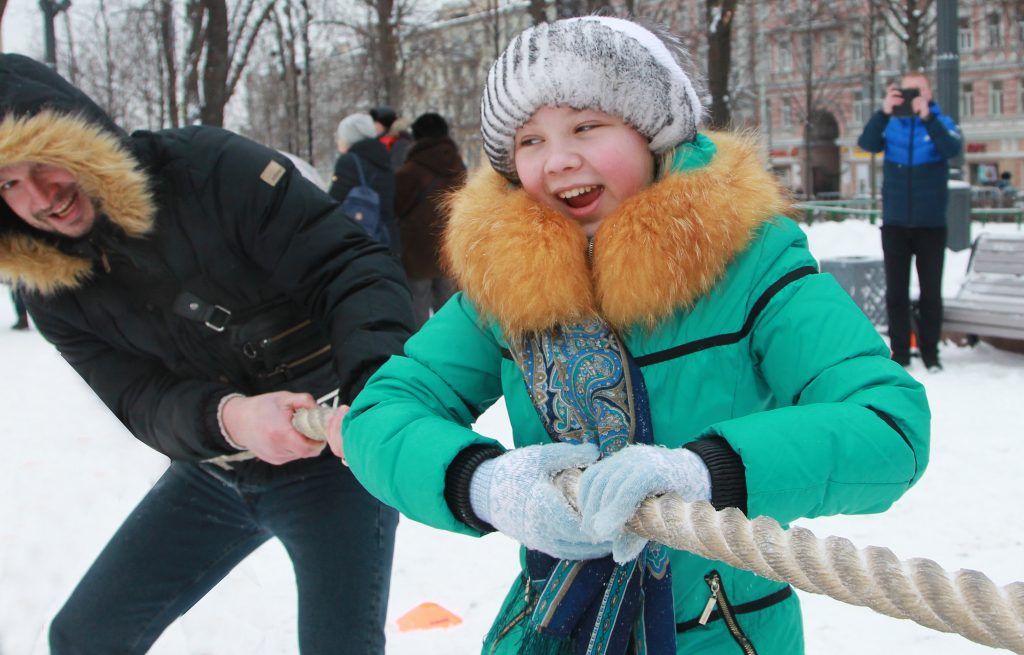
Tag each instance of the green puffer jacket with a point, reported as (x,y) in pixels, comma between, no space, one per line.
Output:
(737,336)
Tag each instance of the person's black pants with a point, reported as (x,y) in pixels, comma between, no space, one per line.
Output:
(928,246)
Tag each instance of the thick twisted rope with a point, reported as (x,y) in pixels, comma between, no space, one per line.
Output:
(964,602)
(313,422)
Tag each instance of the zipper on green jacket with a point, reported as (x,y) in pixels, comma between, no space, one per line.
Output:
(718,597)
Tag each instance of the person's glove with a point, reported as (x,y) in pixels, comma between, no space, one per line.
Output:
(611,490)
(515,493)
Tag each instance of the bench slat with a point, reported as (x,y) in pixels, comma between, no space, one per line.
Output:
(991,300)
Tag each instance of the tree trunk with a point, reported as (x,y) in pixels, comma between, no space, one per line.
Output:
(3,8)
(387,54)
(196,11)
(169,60)
(718,15)
(307,81)
(215,71)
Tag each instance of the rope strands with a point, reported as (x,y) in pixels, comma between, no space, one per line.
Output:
(965,602)
(313,422)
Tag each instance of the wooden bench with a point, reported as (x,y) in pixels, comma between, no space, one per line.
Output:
(991,301)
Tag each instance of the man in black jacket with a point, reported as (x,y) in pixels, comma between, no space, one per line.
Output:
(205,291)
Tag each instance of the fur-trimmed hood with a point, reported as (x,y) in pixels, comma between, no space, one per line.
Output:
(46,120)
(526,265)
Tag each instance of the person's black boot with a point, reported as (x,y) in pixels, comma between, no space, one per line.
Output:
(931,362)
(22,324)
(903,359)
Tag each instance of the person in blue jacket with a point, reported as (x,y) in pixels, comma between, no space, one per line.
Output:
(917,147)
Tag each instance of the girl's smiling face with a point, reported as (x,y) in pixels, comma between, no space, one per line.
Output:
(581,163)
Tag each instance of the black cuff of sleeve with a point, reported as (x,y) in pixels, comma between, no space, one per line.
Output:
(728,476)
(213,437)
(456,484)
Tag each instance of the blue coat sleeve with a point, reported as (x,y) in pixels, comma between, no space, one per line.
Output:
(872,139)
(945,135)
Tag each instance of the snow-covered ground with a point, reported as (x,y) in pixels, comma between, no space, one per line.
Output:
(71,474)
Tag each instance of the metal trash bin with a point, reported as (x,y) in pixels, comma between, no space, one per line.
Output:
(864,279)
(958,216)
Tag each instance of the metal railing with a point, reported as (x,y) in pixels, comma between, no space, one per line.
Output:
(838,210)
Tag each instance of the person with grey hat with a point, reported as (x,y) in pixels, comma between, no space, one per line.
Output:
(631,287)
(363,159)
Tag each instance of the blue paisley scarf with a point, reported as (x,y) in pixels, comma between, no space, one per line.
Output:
(587,388)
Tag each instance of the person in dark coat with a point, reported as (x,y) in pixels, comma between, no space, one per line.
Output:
(392,134)
(205,291)
(432,168)
(917,147)
(357,137)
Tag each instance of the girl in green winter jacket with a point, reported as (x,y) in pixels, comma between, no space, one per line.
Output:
(631,288)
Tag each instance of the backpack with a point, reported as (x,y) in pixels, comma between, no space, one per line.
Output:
(362,205)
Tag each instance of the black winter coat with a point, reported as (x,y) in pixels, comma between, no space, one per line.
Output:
(432,169)
(376,164)
(207,221)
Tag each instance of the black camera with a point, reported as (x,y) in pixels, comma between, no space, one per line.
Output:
(906,109)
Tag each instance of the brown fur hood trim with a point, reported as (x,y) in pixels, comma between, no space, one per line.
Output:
(106,172)
(526,266)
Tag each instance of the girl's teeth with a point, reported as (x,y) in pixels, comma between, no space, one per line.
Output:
(575,192)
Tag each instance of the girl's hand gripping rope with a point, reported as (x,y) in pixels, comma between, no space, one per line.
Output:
(515,492)
(611,490)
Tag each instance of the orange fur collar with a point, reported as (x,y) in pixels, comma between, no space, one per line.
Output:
(525,265)
(106,172)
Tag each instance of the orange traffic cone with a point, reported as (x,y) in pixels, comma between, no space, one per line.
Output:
(427,616)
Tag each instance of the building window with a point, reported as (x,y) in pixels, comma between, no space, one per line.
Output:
(966,35)
(856,49)
(995,99)
(830,43)
(785,113)
(966,100)
(862,108)
(785,55)
(1020,96)
(995,30)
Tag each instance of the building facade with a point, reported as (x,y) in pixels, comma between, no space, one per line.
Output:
(823,57)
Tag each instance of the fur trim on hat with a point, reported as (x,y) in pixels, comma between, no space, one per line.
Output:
(594,62)
(106,172)
(525,265)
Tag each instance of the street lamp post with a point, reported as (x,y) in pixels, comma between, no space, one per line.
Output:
(948,71)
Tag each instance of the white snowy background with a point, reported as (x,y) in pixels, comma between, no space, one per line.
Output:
(70,473)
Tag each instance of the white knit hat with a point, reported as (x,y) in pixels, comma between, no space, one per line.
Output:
(594,62)
(356,127)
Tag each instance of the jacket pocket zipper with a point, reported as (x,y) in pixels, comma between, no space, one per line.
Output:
(281,368)
(250,351)
(281,335)
(718,597)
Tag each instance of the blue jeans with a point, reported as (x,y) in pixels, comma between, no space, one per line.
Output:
(199,521)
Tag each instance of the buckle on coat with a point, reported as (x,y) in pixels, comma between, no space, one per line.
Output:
(217,318)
